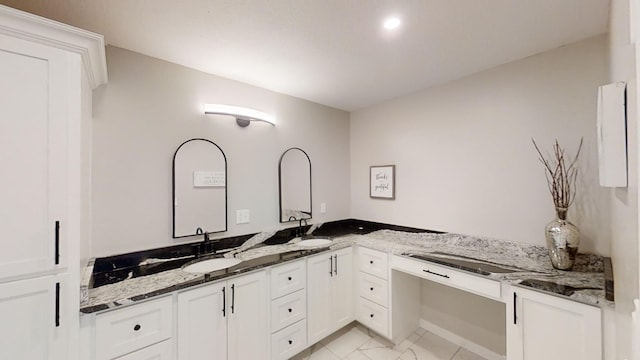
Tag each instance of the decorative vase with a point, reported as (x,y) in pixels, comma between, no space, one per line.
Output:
(563,239)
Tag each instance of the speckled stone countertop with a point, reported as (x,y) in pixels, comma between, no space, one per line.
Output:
(530,263)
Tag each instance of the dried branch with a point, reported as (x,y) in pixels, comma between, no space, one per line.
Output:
(561,178)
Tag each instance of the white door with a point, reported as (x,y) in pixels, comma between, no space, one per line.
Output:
(319,308)
(202,323)
(342,288)
(29,314)
(33,158)
(551,328)
(247,325)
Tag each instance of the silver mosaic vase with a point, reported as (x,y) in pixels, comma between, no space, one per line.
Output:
(563,239)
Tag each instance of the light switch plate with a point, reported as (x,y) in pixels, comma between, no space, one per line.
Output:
(242,216)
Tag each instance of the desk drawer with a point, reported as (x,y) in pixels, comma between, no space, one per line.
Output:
(288,309)
(373,262)
(476,284)
(374,289)
(288,278)
(122,331)
(373,316)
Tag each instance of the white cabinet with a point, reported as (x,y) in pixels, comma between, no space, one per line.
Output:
(288,310)
(330,293)
(48,70)
(373,290)
(541,326)
(215,321)
(161,351)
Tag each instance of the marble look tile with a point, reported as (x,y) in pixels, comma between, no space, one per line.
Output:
(356,355)
(346,340)
(379,349)
(464,354)
(316,352)
(430,347)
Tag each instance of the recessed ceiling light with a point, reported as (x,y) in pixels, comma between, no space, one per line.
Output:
(391,23)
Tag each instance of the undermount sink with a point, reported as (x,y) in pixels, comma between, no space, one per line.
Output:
(313,242)
(206,266)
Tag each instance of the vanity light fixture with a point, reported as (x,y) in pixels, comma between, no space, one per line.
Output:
(244,116)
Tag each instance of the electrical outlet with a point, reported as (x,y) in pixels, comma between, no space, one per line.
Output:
(323,208)
(242,216)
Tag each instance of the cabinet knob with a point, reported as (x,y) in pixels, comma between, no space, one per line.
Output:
(289,278)
(290,310)
(371,289)
(371,262)
(371,315)
(137,327)
(290,342)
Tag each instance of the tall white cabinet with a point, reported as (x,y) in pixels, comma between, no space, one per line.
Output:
(47,72)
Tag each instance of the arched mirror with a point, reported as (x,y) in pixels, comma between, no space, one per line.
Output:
(294,173)
(199,188)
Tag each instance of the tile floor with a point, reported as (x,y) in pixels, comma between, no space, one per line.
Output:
(355,342)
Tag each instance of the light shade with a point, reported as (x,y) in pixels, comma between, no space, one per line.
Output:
(243,115)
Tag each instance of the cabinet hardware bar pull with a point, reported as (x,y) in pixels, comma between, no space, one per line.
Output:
(515,304)
(233,298)
(336,267)
(331,266)
(57,250)
(224,302)
(57,304)
(435,273)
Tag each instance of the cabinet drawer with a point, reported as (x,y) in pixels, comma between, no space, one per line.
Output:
(288,278)
(373,262)
(374,289)
(476,284)
(373,316)
(161,351)
(122,331)
(288,309)
(289,341)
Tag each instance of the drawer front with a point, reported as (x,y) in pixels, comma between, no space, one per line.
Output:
(289,341)
(122,331)
(476,284)
(288,310)
(374,289)
(161,351)
(288,278)
(373,262)
(373,316)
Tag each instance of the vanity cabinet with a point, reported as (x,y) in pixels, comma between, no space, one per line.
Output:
(330,293)
(288,309)
(372,298)
(542,326)
(224,320)
(47,71)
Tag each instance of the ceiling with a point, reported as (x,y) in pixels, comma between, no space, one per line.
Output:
(334,52)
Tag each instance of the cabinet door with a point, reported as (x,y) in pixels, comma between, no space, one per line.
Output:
(28,313)
(248,310)
(33,144)
(542,326)
(319,308)
(202,323)
(342,294)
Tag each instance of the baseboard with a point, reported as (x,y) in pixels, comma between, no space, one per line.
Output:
(457,339)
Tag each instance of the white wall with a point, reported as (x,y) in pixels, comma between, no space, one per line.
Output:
(149,107)
(624,201)
(463,153)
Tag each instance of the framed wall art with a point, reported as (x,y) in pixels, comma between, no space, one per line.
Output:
(382,182)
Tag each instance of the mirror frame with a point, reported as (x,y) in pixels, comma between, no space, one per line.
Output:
(280,185)
(173,190)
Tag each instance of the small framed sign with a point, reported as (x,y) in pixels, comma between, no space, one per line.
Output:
(382,182)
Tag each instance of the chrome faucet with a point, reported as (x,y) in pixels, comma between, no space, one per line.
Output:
(300,229)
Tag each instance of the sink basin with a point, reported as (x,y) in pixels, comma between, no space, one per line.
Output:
(313,242)
(210,265)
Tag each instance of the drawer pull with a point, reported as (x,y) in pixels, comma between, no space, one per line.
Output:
(371,289)
(371,315)
(435,273)
(371,262)
(290,310)
(289,278)
(137,327)
(290,342)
